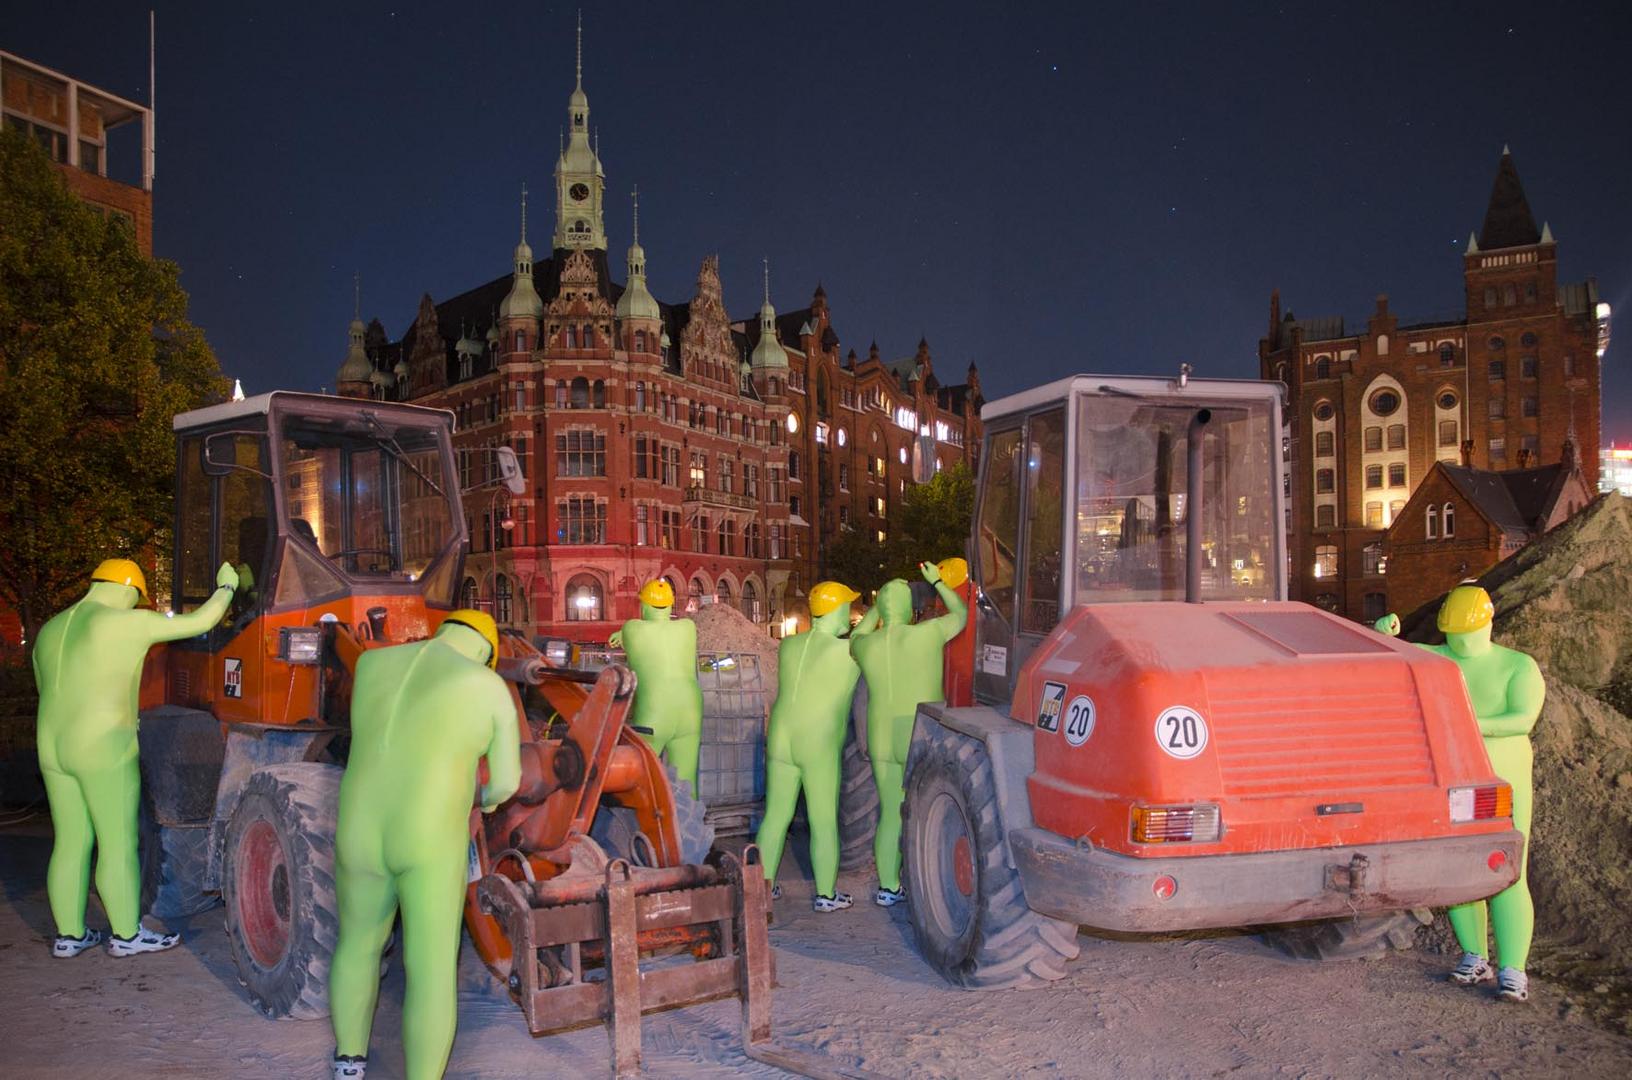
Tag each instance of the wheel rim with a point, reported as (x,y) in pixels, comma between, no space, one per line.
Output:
(950,847)
(264,902)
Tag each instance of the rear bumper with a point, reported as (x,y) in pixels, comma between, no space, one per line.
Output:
(1103,889)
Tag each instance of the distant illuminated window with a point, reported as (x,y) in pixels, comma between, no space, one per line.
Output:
(1326,561)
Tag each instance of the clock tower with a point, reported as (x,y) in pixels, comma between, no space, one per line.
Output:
(579,181)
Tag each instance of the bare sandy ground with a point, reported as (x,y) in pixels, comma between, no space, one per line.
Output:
(851,986)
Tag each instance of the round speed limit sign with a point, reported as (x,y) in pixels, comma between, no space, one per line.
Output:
(1181,732)
(1079,720)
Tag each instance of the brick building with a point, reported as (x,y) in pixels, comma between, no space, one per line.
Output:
(1460,521)
(1370,411)
(657,439)
(73,122)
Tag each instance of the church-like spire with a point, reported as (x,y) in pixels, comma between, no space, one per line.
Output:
(637,302)
(768,352)
(579,179)
(523,300)
(357,367)
(1508,220)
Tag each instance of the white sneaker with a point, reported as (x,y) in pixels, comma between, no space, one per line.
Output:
(1513,985)
(837,902)
(889,897)
(1473,970)
(144,941)
(64,947)
(350,1068)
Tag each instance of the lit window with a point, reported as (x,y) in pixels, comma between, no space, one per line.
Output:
(1374,515)
(1432,529)
(1371,557)
(1326,561)
(793,423)
(902,454)
(843,437)
(821,433)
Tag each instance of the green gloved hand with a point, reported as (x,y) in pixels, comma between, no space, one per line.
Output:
(1389,624)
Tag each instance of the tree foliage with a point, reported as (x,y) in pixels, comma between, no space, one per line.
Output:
(96,357)
(931,522)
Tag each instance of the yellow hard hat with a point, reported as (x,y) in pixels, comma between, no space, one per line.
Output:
(122,572)
(953,571)
(1467,609)
(483,624)
(830,596)
(657,593)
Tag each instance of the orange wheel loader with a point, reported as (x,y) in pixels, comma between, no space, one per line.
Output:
(1145,735)
(344,520)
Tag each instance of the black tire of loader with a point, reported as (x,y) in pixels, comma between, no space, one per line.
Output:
(615,827)
(1002,944)
(173,861)
(1364,937)
(858,805)
(299,801)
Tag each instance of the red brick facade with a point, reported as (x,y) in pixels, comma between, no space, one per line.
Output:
(656,439)
(1370,412)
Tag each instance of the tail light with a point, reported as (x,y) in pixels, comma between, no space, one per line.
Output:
(1481,803)
(1175,824)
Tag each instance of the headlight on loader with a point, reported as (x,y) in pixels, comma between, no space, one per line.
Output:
(1197,824)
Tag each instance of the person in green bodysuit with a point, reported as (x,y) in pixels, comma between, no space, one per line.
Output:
(88,668)
(805,743)
(422,715)
(668,702)
(1506,689)
(902,665)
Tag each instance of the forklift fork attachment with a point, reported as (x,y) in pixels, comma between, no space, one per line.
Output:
(718,910)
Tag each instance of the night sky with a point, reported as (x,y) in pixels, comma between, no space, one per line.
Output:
(1040,190)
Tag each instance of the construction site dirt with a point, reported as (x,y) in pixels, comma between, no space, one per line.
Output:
(851,987)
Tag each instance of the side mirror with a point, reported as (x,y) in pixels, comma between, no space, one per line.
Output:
(510,471)
(220,453)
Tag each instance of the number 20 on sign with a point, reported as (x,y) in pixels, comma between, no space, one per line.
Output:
(1181,732)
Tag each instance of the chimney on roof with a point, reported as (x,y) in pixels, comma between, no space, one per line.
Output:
(1568,454)
(1382,304)
(1467,453)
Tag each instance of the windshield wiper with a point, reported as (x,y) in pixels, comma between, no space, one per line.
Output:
(390,443)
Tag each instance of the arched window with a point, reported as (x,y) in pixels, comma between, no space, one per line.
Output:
(696,591)
(1382,344)
(584,599)
(722,591)
(750,601)
(467,593)
(502,598)
(1431,530)
(1323,368)
(726,536)
(1448,520)
(640,341)
(600,394)
(521,341)
(793,465)
(589,337)
(572,337)
(580,393)
(776,386)
(1447,355)
(1324,444)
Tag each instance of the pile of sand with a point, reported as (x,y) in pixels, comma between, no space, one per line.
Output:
(722,628)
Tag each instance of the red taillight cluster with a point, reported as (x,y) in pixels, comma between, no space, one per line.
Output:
(1175,824)
(1482,803)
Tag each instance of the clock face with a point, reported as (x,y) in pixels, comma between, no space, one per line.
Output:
(579,192)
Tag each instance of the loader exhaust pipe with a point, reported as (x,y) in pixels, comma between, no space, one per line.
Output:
(1192,506)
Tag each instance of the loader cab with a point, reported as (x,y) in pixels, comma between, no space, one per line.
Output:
(328,508)
(1083,493)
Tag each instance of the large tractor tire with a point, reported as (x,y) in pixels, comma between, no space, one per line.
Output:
(1364,937)
(174,860)
(615,828)
(278,884)
(968,910)
(858,805)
